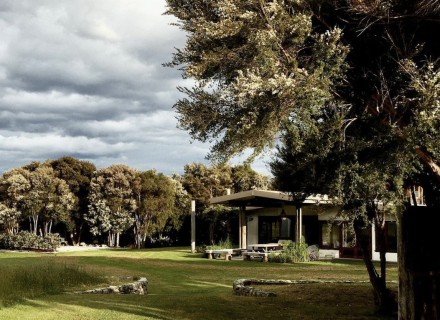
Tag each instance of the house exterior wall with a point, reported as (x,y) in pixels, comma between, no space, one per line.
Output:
(324,214)
(252,221)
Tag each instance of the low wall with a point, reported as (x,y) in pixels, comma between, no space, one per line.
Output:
(242,287)
(137,287)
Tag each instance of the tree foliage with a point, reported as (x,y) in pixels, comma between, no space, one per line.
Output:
(36,193)
(161,201)
(77,174)
(265,68)
(112,201)
(349,88)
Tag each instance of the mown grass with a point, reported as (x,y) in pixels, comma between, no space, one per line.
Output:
(185,286)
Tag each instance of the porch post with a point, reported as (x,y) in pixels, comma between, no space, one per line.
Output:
(193,226)
(298,223)
(243,227)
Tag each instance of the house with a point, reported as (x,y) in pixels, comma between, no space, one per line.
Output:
(271,216)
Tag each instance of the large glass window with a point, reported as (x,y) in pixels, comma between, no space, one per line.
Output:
(347,236)
(335,236)
(329,235)
(286,228)
(273,228)
(392,236)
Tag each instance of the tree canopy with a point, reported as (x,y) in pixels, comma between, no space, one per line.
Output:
(267,68)
(349,91)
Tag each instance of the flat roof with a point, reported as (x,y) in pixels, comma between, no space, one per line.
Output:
(265,198)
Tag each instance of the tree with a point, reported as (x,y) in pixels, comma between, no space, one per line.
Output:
(365,178)
(270,69)
(112,201)
(48,199)
(33,191)
(203,183)
(160,203)
(9,219)
(14,184)
(77,175)
(244,178)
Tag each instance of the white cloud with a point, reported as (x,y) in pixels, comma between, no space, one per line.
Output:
(85,78)
(42,143)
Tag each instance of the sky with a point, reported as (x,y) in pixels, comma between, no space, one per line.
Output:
(85,79)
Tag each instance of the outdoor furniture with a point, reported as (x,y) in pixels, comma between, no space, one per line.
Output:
(265,247)
(247,256)
(227,252)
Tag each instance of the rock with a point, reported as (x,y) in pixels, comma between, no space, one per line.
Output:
(138,287)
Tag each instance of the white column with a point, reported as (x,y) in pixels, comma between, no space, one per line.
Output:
(298,224)
(243,227)
(193,226)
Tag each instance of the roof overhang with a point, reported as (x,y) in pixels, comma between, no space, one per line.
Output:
(264,199)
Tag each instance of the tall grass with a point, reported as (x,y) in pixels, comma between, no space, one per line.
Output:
(222,244)
(47,276)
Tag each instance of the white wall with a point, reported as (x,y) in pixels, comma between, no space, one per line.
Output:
(325,252)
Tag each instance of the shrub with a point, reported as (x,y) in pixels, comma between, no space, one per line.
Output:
(226,244)
(27,240)
(313,252)
(292,252)
(273,257)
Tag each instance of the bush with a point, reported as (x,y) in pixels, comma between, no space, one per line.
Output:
(313,252)
(292,252)
(27,240)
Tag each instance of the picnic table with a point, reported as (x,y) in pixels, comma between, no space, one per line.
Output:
(261,250)
(265,247)
(227,252)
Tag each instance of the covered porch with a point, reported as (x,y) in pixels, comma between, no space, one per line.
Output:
(268,217)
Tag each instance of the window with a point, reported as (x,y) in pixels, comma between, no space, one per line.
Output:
(329,236)
(390,237)
(347,237)
(286,228)
(273,228)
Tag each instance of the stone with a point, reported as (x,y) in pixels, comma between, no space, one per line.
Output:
(138,287)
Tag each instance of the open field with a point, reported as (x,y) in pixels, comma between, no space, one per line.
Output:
(184,286)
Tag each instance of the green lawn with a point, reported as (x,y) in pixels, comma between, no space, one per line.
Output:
(185,286)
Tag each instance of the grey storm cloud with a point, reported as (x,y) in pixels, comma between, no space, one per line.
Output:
(85,78)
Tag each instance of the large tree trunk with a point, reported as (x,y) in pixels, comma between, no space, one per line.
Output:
(406,285)
(72,236)
(78,240)
(34,225)
(50,227)
(419,264)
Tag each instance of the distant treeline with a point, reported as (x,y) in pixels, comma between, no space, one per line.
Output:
(119,204)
